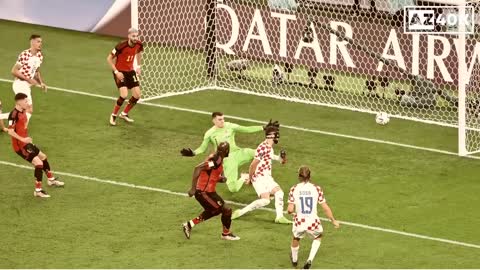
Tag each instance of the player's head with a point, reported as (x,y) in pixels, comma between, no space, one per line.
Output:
(223,149)
(272,133)
(303,173)
(218,119)
(36,42)
(21,100)
(133,35)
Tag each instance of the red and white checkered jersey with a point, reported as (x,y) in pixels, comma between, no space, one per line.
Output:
(306,196)
(29,63)
(264,153)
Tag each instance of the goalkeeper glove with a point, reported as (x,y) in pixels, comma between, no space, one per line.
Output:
(283,156)
(187,152)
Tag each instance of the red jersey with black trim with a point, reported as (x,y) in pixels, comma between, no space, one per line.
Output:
(126,54)
(17,120)
(210,176)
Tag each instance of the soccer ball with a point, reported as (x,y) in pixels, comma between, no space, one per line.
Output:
(382,118)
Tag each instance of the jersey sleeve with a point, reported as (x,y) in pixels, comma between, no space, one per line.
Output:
(321,198)
(243,129)
(22,59)
(203,147)
(291,196)
(12,119)
(260,152)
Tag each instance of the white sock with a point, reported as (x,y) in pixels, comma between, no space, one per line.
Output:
(29,115)
(313,251)
(254,205)
(279,203)
(295,253)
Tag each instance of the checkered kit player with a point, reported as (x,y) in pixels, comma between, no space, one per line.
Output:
(204,182)
(126,77)
(260,175)
(303,199)
(27,71)
(23,146)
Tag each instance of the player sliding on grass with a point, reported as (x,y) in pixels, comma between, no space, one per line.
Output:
(23,146)
(125,75)
(205,178)
(225,132)
(260,176)
(302,200)
(27,71)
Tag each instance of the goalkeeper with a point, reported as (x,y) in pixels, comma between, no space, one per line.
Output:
(225,132)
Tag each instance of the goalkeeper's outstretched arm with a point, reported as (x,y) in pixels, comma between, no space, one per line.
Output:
(249,129)
(188,152)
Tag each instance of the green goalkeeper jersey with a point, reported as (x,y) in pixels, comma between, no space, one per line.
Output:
(226,134)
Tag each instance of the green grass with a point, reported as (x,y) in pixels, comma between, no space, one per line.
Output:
(97,225)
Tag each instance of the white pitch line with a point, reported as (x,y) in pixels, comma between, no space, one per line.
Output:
(263,122)
(123,184)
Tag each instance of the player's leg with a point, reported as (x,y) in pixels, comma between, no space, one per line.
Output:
(262,201)
(242,157)
(123,93)
(51,179)
(277,192)
(132,83)
(211,209)
(294,248)
(313,250)
(230,169)
(38,174)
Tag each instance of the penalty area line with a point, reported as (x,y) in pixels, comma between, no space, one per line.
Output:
(316,131)
(166,191)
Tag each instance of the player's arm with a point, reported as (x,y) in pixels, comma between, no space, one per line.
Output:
(111,60)
(253,168)
(291,201)
(16,72)
(196,173)
(2,126)
(38,77)
(138,57)
(282,158)
(188,152)
(291,208)
(329,214)
(249,129)
(12,133)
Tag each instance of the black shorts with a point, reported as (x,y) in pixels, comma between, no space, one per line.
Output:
(210,201)
(29,152)
(130,79)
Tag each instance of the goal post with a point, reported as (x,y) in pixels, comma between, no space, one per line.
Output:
(359,55)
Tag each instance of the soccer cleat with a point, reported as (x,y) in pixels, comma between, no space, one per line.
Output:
(294,264)
(41,194)
(283,220)
(186,230)
(235,214)
(230,236)
(113,119)
(55,183)
(307,265)
(126,118)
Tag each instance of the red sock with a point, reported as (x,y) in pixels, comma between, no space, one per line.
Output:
(194,222)
(38,185)
(49,175)
(130,105)
(225,230)
(118,105)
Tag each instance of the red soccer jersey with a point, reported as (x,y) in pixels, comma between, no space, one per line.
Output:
(17,121)
(126,54)
(208,179)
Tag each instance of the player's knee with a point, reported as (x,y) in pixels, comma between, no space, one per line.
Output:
(133,100)
(263,202)
(121,99)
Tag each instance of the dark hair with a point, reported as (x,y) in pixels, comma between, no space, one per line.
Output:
(34,36)
(20,96)
(215,114)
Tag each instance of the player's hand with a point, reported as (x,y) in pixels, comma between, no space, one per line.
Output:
(138,70)
(27,140)
(120,76)
(191,192)
(336,224)
(283,156)
(44,87)
(187,152)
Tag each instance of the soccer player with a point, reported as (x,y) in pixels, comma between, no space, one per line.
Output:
(260,176)
(205,178)
(302,200)
(121,61)
(23,146)
(27,71)
(225,132)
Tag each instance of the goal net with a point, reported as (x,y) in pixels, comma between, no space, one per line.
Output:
(363,55)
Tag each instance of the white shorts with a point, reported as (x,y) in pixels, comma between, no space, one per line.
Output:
(20,86)
(311,227)
(264,184)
